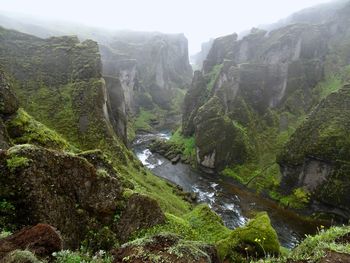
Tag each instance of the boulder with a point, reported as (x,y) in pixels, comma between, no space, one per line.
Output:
(42,240)
(256,239)
(61,189)
(141,212)
(166,248)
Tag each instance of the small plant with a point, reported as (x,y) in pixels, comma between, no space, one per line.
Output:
(102,173)
(67,256)
(16,162)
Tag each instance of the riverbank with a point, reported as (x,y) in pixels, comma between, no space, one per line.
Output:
(232,202)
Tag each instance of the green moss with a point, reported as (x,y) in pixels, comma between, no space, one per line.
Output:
(213,75)
(157,188)
(298,199)
(15,162)
(201,224)
(329,85)
(143,119)
(67,256)
(207,224)
(21,256)
(187,144)
(103,239)
(315,247)
(25,129)
(257,238)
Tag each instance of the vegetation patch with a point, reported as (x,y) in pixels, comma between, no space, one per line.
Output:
(186,144)
(15,162)
(25,129)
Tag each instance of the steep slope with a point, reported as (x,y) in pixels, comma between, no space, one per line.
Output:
(59,82)
(152,63)
(153,68)
(263,85)
(316,158)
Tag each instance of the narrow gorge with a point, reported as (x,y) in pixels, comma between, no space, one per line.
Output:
(123,146)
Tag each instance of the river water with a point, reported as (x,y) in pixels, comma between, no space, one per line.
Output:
(231,201)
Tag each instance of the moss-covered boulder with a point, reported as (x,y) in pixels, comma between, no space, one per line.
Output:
(141,212)
(42,240)
(23,128)
(256,239)
(219,140)
(316,158)
(167,248)
(61,189)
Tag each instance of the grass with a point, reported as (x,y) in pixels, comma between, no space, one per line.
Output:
(200,224)
(143,119)
(16,162)
(186,143)
(314,248)
(331,84)
(25,129)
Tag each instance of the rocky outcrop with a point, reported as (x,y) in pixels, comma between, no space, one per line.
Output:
(154,64)
(166,248)
(117,107)
(317,155)
(230,144)
(258,81)
(8,101)
(8,106)
(60,189)
(195,97)
(198,58)
(42,240)
(73,97)
(141,212)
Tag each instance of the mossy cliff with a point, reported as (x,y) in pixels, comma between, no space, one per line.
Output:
(58,81)
(148,64)
(95,198)
(316,158)
(253,93)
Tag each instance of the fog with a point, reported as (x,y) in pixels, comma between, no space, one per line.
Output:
(199,20)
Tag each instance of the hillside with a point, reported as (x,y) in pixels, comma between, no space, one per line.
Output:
(252,94)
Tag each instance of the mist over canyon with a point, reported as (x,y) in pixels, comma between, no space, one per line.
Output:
(126,145)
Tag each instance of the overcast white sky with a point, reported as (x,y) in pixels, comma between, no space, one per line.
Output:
(198,19)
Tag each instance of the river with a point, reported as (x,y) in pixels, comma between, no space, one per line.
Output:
(231,201)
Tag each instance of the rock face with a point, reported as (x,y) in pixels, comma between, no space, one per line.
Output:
(166,248)
(151,64)
(317,155)
(72,91)
(61,189)
(8,106)
(223,141)
(141,212)
(116,106)
(42,240)
(259,82)
(198,58)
